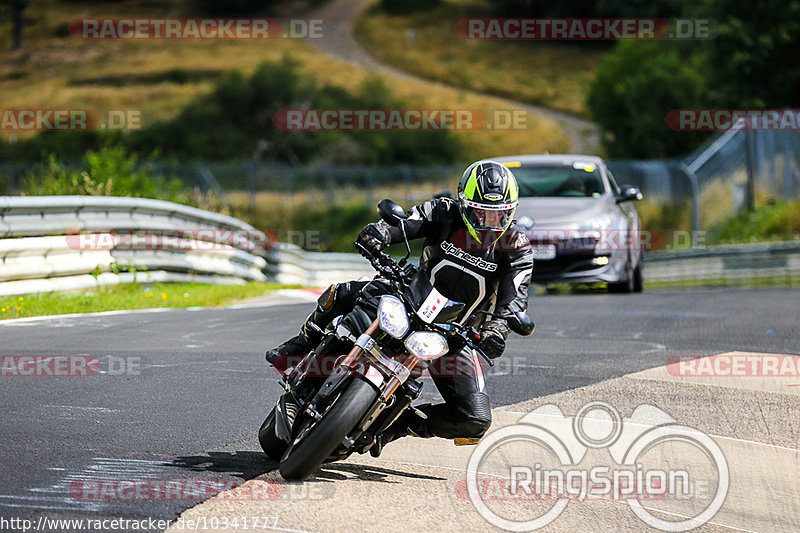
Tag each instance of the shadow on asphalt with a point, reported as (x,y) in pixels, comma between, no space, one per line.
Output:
(242,464)
(338,471)
(248,465)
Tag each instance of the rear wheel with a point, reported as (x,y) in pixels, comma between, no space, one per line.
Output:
(303,458)
(270,443)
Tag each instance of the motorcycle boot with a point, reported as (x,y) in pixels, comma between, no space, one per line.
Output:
(310,333)
(404,427)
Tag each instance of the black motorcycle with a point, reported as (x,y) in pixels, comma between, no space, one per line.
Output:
(388,339)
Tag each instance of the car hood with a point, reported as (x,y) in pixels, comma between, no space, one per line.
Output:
(562,211)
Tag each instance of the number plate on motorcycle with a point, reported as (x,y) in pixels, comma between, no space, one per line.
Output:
(431,306)
(544,251)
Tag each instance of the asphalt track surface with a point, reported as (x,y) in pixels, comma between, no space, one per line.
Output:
(188,407)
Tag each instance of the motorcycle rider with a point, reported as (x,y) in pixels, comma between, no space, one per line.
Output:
(473,254)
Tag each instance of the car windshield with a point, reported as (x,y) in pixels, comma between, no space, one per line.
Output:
(559,181)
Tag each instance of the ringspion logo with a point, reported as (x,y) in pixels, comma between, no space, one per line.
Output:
(548,460)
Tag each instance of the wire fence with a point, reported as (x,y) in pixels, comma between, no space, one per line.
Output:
(766,161)
(732,169)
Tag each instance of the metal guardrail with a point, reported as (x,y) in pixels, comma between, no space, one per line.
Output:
(41,246)
(733,262)
(730,262)
(291,265)
(38,251)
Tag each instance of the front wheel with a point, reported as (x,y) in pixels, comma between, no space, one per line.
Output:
(638,278)
(628,284)
(303,458)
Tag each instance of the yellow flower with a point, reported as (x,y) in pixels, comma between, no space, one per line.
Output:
(20,298)
(163,295)
(148,295)
(19,308)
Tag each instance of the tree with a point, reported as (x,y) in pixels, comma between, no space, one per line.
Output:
(636,86)
(753,57)
(16,11)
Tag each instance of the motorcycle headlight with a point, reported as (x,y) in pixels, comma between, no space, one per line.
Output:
(392,316)
(426,344)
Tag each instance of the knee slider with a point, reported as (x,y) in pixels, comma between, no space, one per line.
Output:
(327,298)
(475,415)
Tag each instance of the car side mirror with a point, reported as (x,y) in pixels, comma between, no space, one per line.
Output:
(521,324)
(391,212)
(629,193)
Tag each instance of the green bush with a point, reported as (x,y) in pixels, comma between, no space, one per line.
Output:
(397,7)
(231,7)
(237,118)
(778,221)
(235,122)
(111,171)
(640,81)
(588,8)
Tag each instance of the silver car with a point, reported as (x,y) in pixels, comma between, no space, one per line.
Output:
(582,226)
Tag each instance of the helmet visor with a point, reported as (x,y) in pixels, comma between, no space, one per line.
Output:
(489,217)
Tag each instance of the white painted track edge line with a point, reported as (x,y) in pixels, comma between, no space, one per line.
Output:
(13,321)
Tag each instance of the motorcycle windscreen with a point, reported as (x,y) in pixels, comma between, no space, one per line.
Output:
(429,303)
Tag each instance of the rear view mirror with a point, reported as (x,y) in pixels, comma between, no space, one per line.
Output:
(521,324)
(391,212)
(629,193)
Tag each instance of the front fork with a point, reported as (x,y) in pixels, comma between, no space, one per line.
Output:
(386,374)
(397,372)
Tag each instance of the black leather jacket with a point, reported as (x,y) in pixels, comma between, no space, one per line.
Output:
(483,276)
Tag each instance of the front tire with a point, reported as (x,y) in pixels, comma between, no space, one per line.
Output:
(303,458)
(638,278)
(628,285)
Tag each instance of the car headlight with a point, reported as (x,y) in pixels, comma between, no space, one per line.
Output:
(426,344)
(392,316)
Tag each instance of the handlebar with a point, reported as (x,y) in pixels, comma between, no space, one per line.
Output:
(384,264)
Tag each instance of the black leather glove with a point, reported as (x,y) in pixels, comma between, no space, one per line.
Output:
(493,338)
(374,237)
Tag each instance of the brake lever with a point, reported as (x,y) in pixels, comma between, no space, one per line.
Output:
(471,334)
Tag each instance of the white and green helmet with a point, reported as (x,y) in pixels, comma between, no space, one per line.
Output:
(488,196)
